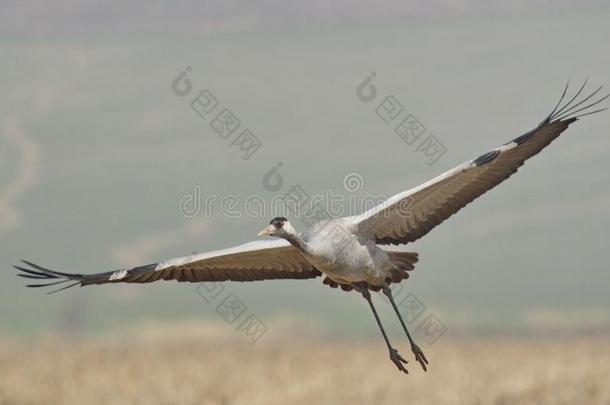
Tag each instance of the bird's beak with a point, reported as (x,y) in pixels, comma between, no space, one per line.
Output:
(268,231)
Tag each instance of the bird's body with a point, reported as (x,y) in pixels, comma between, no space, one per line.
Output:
(347,250)
(345,257)
(345,260)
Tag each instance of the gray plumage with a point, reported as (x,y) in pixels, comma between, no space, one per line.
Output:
(347,250)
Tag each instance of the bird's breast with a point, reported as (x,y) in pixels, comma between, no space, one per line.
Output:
(346,261)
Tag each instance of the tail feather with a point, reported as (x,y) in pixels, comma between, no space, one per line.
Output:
(403,262)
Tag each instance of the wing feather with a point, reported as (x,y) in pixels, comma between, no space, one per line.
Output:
(260,260)
(410,215)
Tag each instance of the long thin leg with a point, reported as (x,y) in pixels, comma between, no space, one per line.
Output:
(394,355)
(419,355)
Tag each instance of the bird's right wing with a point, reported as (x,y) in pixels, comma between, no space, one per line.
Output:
(259,260)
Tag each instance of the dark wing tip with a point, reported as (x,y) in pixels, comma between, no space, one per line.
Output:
(43,275)
(571,110)
(567,113)
(33,273)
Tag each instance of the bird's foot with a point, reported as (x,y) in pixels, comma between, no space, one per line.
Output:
(420,357)
(398,360)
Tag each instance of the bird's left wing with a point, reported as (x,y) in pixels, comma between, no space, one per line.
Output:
(410,215)
(259,260)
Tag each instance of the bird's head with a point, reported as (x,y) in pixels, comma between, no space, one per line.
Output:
(278,227)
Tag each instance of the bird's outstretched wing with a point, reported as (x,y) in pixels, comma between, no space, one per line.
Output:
(259,260)
(410,215)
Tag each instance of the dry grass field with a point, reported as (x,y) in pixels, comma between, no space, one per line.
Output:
(190,364)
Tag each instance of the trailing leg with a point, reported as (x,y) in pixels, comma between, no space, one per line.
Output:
(419,354)
(396,358)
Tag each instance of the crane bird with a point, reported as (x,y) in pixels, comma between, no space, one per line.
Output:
(346,250)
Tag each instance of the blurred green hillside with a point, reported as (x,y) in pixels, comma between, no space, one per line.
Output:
(96,153)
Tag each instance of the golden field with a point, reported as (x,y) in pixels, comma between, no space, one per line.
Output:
(211,364)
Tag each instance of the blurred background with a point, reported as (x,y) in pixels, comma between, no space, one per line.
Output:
(98,154)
